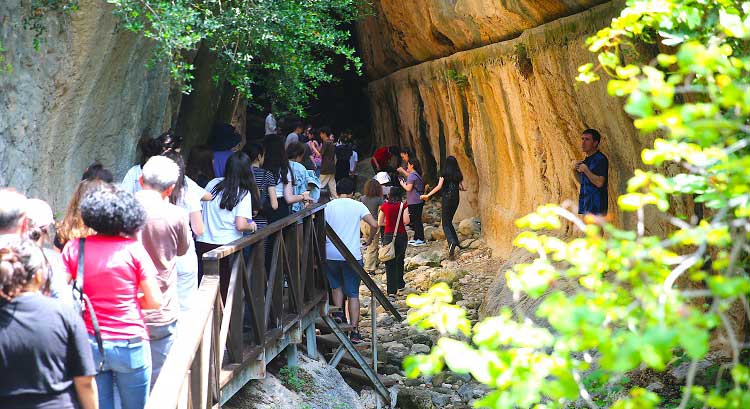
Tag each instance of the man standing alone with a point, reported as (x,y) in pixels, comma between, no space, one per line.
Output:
(593,173)
(165,235)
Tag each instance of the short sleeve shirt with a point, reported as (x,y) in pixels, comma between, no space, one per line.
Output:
(264,179)
(412,196)
(343,215)
(131,182)
(592,199)
(219,224)
(390,211)
(114,268)
(43,346)
(382,155)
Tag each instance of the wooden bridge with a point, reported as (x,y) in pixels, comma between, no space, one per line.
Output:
(219,350)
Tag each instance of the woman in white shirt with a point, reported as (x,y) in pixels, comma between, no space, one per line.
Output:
(229,213)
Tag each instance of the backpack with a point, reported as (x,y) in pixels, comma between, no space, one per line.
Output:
(343,151)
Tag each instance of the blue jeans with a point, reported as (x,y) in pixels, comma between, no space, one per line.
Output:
(127,367)
(162,337)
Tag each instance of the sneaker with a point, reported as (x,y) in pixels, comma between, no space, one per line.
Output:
(411,242)
(339,317)
(417,243)
(356,337)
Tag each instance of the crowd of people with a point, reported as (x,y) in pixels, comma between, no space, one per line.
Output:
(90,305)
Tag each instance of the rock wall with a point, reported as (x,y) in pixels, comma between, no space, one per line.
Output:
(86,94)
(512,114)
(403,33)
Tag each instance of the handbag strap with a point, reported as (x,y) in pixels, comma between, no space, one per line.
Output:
(398,219)
(87,301)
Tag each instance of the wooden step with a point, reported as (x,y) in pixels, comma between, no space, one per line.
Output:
(320,324)
(358,376)
(331,341)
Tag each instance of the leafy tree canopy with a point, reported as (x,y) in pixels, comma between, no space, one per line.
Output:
(269,50)
(642,300)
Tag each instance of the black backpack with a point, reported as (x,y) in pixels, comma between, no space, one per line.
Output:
(344,151)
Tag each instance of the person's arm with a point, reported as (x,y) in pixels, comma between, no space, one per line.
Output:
(272,197)
(152,297)
(407,186)
(88,396)
(461,186)
(196,223)
(402,171)
(597,180)
(381,218)
(207,197)
(313,146)
(434,190)
(290,197)
(376,163)
(242,224)
(373,228)
(405,219)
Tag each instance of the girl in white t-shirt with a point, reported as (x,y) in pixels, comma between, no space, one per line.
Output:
(229,213)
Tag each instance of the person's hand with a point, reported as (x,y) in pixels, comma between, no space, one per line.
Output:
(574,165)
(424,198)
(253,227)
(581,167)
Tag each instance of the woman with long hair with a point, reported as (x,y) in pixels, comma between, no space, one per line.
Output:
(44,349)
(450,182)
(72,225)
(116,268)
(200,165)
(229,213)
(388,218)
(414,187)
(277,162)
(315,144)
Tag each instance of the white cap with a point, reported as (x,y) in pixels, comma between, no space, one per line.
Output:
(382,178)
(39,212)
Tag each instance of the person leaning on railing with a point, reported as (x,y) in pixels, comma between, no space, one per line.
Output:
(115,269)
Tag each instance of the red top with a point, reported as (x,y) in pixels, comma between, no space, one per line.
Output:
(113,270)
(382,156)
(390,211)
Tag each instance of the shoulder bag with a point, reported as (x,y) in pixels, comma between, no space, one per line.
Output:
(84,304)
(388,251)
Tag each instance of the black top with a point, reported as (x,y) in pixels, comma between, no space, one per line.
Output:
(450,189)
(43,345)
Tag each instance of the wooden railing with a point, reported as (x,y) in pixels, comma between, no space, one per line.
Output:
(215,353)
(212,356)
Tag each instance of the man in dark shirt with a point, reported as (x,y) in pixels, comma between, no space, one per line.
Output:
(593,173)
(328,164)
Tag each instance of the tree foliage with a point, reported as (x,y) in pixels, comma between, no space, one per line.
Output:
(642,300)
(269,50)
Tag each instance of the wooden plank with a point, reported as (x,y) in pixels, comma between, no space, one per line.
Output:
(366,279)
(262,234)
(226,319)
(270,287)
(184,349)
(237,316)
(254,290)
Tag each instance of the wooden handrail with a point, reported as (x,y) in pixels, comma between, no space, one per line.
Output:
(171,382)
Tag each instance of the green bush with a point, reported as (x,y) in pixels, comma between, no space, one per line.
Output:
(643,301)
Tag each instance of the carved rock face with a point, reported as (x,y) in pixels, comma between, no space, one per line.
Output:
(404,33)
(512,114)
(85,95)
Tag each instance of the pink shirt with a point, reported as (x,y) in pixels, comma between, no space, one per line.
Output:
(113,270)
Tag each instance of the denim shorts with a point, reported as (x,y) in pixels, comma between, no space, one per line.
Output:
(341,274)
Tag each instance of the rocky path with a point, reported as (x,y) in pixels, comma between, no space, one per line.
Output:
(469,276)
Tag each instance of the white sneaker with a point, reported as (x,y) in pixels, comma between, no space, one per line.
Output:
(411,242)
(417,243)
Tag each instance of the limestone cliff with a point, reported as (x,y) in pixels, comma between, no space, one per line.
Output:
(512,114)
(403,33)
(85,94)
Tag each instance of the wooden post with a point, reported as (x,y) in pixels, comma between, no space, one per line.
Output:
(291,355)
(312,342)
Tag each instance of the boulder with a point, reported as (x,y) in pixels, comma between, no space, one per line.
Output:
(328,390)
(470,227)
(429,233)
(414,398)
(430,259)
(419,349)
(438,233)
(448,276)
